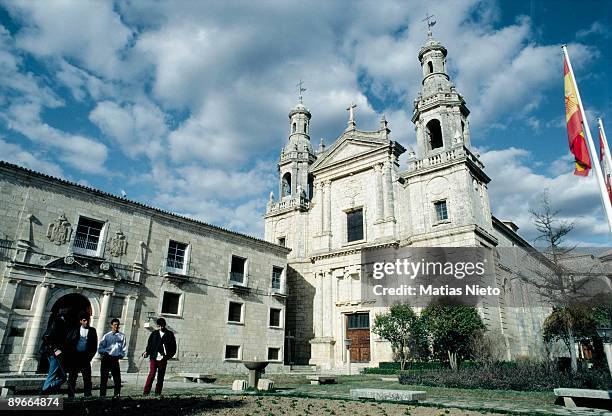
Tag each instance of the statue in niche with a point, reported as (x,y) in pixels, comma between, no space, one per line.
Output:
(118,244)
(60,231)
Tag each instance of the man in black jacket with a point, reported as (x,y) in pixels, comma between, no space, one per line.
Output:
(83,344)
(160,348)
(53,348)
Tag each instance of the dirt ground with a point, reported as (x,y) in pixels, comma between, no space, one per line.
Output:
(249,405)
(275,406)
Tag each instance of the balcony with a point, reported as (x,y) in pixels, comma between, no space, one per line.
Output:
(456,154)
(289,204)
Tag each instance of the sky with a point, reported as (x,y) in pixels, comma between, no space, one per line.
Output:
(184,105)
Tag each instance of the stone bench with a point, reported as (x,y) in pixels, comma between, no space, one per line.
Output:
(197,377)
(8,385)
(600,399)
(322,379)
(390,395)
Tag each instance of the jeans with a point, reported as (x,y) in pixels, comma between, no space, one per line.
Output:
(81,364)
(56,376)
(110,364)
(160,367)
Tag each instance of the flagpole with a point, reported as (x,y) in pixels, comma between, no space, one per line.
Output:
(605,199)
(605,142)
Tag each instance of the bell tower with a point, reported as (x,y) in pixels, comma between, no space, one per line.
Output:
(297,155)
(440,113)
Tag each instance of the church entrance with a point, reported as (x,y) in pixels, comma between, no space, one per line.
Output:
(72,304)
(358,331)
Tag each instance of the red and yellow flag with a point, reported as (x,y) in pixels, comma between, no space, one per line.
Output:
(604,166)
(575,131)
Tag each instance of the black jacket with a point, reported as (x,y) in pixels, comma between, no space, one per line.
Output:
(55,336)
(156,344)
(92,341)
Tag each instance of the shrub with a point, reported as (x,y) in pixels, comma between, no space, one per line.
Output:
(521,376)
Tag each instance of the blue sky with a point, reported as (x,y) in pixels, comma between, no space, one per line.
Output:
(184,104)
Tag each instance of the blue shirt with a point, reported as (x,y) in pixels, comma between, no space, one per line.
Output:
(113,344)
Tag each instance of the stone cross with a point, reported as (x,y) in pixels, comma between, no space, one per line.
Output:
(430,23)
(301,89)
(350,108)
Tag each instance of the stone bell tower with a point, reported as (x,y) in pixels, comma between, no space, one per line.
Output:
(440,113)
(449,177)
(296,156)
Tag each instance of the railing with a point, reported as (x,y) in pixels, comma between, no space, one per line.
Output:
(6,246)
(444,157)
(289,203)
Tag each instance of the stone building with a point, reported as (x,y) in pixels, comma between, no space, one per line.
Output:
(335,202)
(67,245)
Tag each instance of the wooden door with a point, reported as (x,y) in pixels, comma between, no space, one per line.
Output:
(358,331)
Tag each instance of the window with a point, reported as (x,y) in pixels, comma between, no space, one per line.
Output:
(177,253)
(24,296)
(235,312)
(441,210)
(17,332)
(281,241)
(232,352)
(87,236)
(237,270)
(170,303)
(434,133)
(430,67)
(277,273)
(286,185)
(275,317)
(273,354)
(359,321)
(306,126)
(293,127)
(354,225)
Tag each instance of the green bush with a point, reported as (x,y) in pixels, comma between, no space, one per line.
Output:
(521,376)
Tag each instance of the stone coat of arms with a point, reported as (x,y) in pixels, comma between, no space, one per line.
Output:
(118,245)
(59,231)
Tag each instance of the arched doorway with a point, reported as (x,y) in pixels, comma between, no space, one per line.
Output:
(71,305)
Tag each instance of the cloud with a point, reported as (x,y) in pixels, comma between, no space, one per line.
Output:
(13,153)
(137,128)
(89,31)
(515,189)
(596,29)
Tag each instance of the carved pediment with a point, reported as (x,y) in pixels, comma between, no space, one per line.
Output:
(92,266)
(348,147)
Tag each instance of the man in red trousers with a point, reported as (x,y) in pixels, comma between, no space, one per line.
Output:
(160,348)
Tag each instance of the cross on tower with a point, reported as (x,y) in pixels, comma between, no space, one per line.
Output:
(300,90)
(430,23)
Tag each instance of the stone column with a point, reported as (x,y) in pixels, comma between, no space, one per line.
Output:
(379,193)
(30,361)
(127,327)
(294,180)
(319,191)
(327,304)
(317,312)
(388,185)
(101,324)
(327,209)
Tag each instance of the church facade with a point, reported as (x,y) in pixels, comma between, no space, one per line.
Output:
(63,245)
(354,195)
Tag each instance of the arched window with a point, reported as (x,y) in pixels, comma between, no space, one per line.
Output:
(462,128)
(310,186)
(430,67)
(286,185)
(293,128)
(306,126)
(434,132)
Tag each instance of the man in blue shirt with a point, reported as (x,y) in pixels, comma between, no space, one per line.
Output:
(112,348)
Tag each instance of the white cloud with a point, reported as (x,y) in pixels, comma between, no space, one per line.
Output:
(515,189)
(88,31)
(138,128)
(13,153)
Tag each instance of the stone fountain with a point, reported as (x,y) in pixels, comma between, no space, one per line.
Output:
(256,369)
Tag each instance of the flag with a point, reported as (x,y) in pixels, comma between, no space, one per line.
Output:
(606,170)
(575,131)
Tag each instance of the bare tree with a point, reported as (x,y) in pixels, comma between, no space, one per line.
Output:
(554,278)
